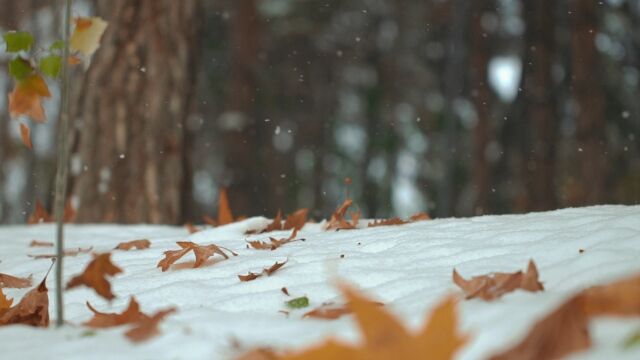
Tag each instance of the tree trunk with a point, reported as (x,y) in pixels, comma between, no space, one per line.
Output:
(244,156)
(133,110)
(589,98)
(481,95)
(539,107)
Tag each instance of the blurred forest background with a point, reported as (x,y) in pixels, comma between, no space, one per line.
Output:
(455,107)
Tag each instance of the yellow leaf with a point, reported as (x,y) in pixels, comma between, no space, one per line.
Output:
(87,34)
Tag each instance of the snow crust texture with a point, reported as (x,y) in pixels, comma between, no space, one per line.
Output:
(407,267)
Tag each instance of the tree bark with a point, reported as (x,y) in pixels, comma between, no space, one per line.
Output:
(589,98)
(133,110)
(539,107)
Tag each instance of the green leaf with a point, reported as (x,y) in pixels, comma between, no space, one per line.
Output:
(20,68)
(633,340)
(18,41)
(298,303)
(57,45)
(88,333)
(50,65)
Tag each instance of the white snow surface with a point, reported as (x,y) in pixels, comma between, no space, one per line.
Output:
(407,267)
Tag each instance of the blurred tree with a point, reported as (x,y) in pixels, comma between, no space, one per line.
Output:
(132,112)
(539,107)
(587,91)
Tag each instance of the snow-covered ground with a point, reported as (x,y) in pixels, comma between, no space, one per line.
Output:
(407,267)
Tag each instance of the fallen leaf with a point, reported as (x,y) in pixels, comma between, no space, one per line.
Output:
(385,337)
(138,244)
(298,303)
(25,134)
(266,271)
(67,252)
(201,252)
(421,216)
(338,221)
(26,98)
(192,229)
(492,286)
(225,216)
(259,354)
(397,221)
(273,242)
(8,281)
(565,330)
(276,224)
(87,34)
(297,220)
(32,310)
(95,275)
(148,327)
(37,243)
(332,311)
(104,320)
(5,303)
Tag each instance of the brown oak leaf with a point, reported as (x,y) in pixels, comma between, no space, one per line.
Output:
(332,311)
(138,244)
(32,310)
(297,220)
(148,327)
(201,252)
(9,281)
(338,218)
(273,242)
(95,275)
(266,271)
(104,320)
(492,286)
(68,252)
(37,243)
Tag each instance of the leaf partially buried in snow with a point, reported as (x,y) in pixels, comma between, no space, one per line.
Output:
(67,252)
(565,330)
(104,320)
(201,252)
(148,327)
(338,219)
(273,242)
(385,337)
(332,311)
(138,244)
(266,271)
(95,275)
(397,221)
(9,281)
(492,286)
(32,310)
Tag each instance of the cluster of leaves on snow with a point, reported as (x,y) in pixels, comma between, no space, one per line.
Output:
(562,332)
(30,66)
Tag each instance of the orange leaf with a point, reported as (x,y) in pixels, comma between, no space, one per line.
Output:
(276,224)
(5,303)
(104,320)
(421,216)
(25,134)
(266,271)
(25,99)
(331,311)
(95,275)
(224,210)
(138,244)
(297,220)
(148,327)
(620,298)
(387,222)
(36,243)
(32,310)
(8,281)
(385,337)
(492,286)
(201,252)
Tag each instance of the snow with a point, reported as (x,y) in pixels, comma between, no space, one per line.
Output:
(407,267)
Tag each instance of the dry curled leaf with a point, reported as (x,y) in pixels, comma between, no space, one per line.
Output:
(201,252)
(385,337)
(148,327)
(266,271)
(332,311)
(297,220)
(67,252)
(138,244)
(397,221)
(95,275)
(565,330)
(276,224)
(9,281)
(32,310)
(5,303)
(273,242)
(338,218)
(104,320)
(37,243)
(492,286)
(225,216)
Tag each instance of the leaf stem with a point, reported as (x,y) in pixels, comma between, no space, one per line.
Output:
(63,165)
